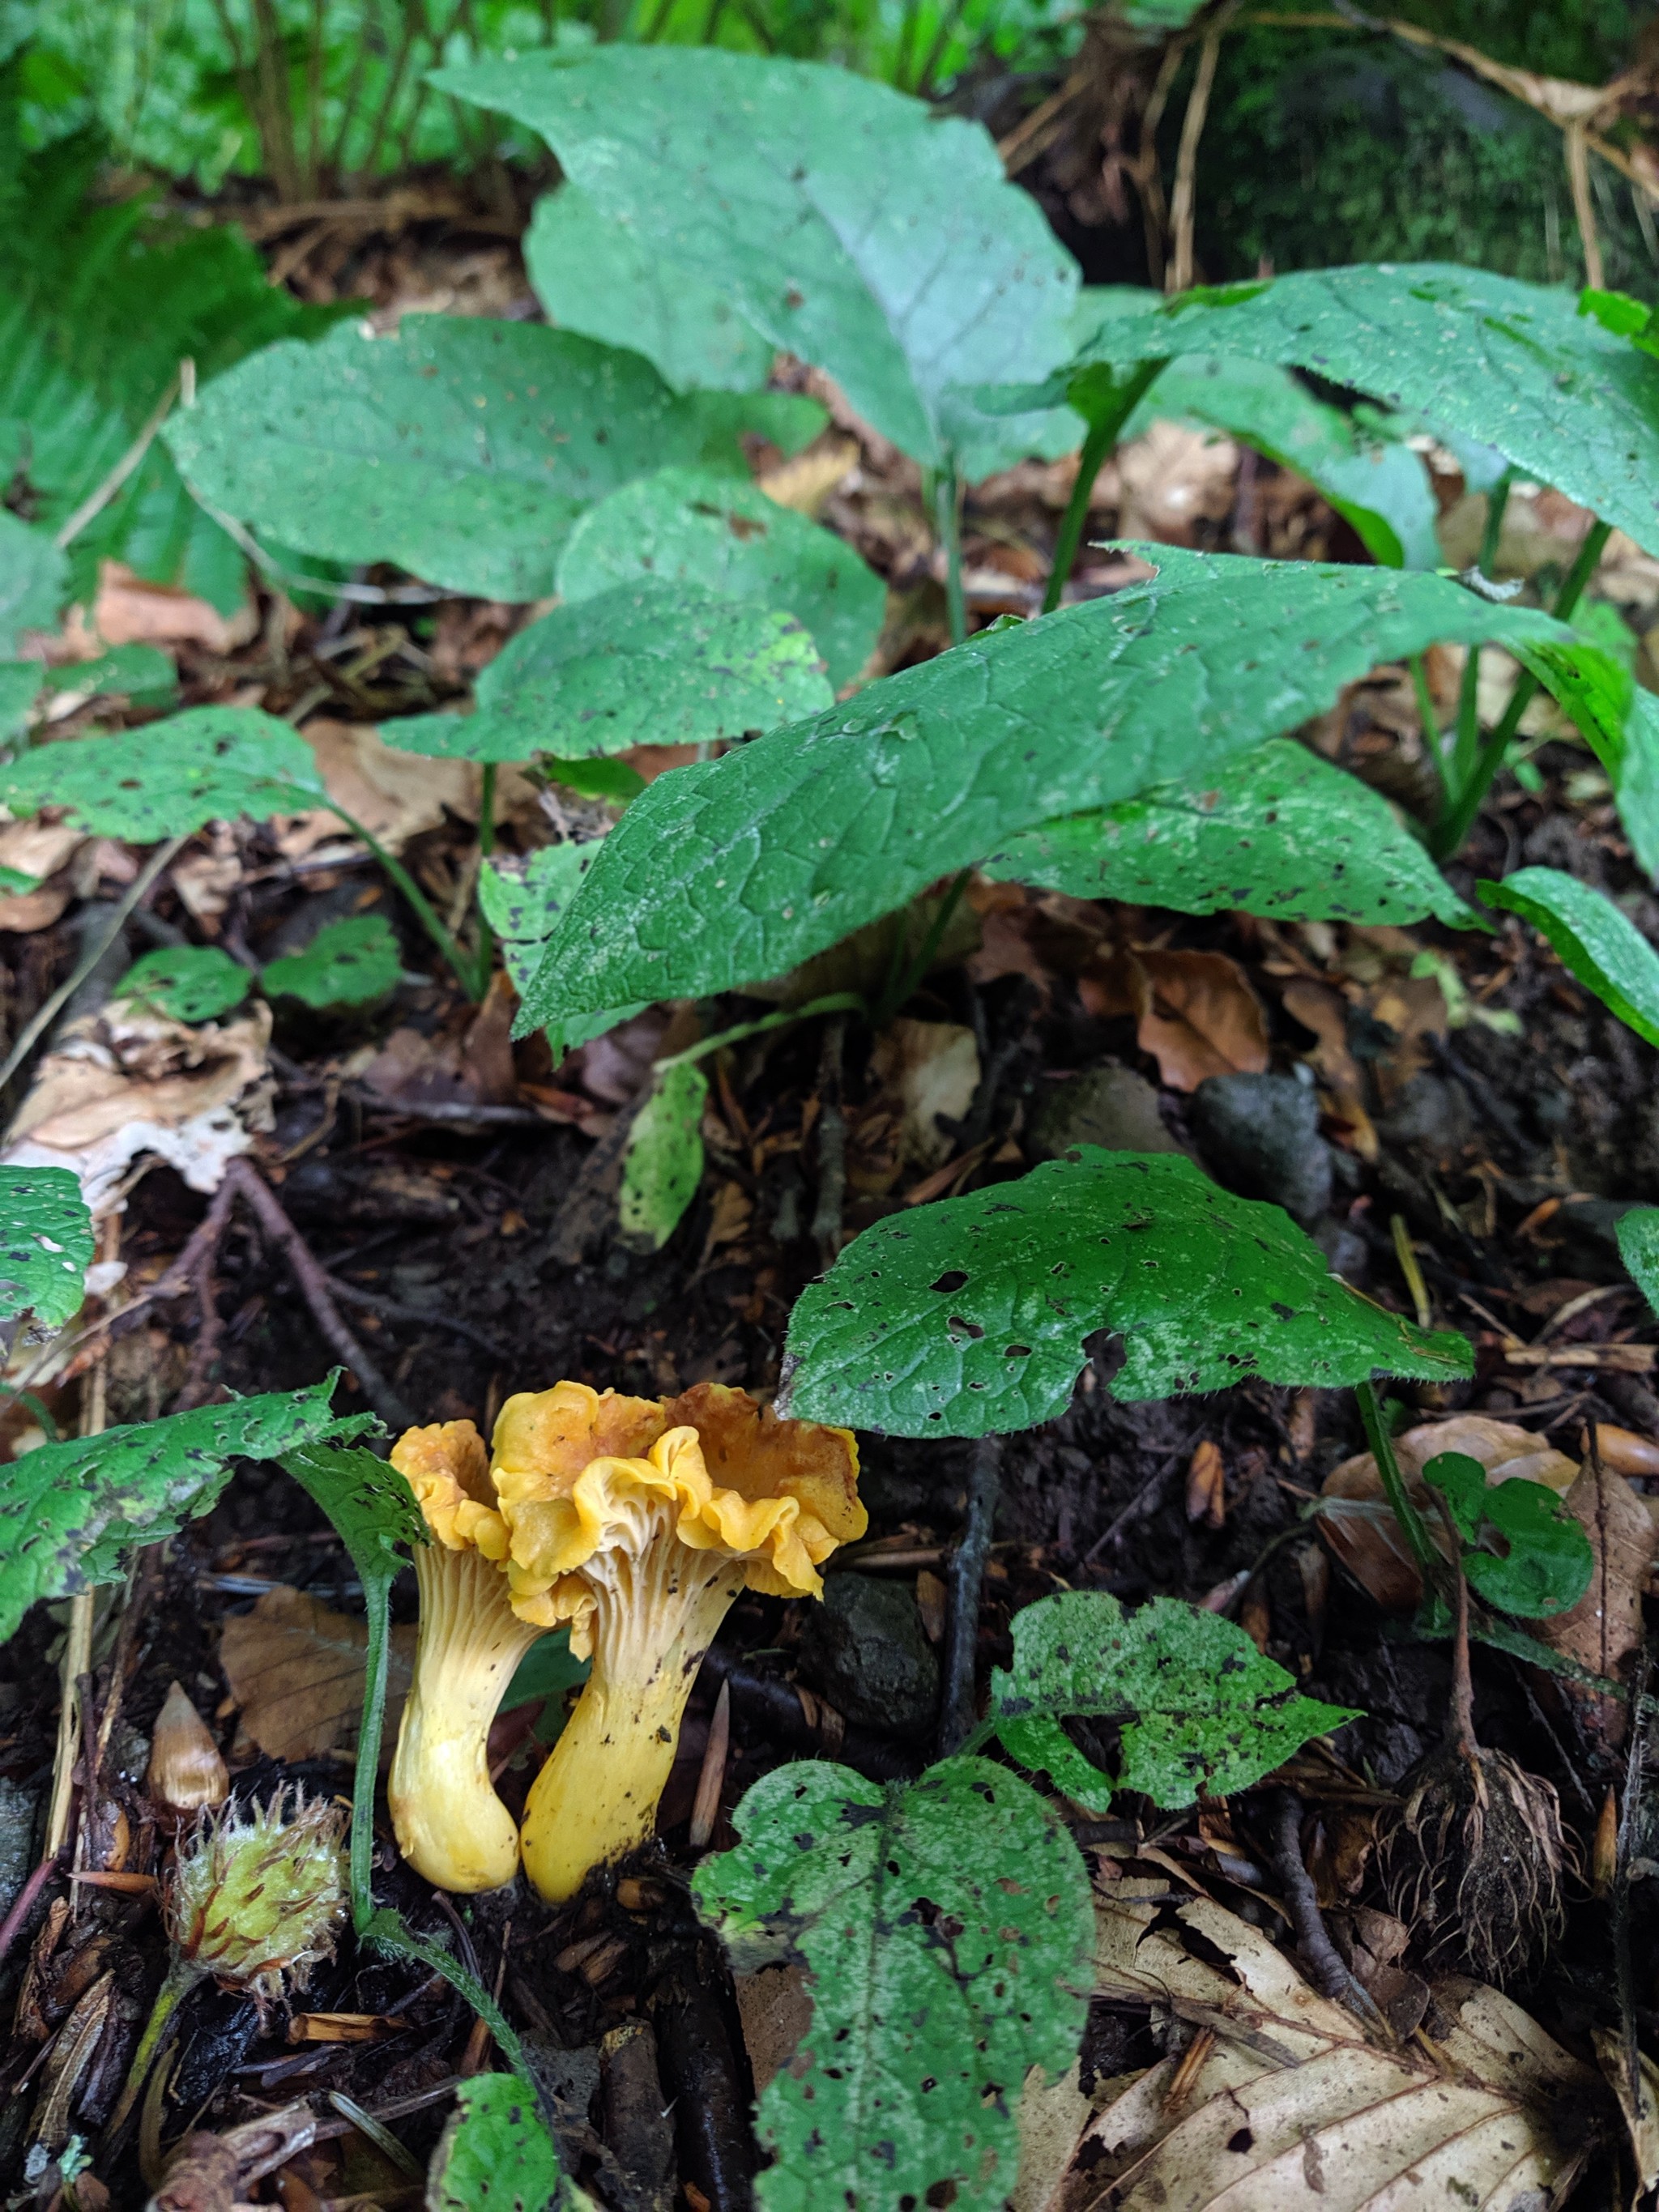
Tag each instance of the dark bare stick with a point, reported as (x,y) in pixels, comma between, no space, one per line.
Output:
(1326,1969)
(26,1900)
(959,1707)
(314,1289)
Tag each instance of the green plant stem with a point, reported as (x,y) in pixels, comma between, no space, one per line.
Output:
(181,1979)
(838,1002)
(1102,437)
(1454,823)
(1430,1564)
(387,1932)
(377,1612)
(428,916)
(487,811)
(900,986)
(1467,750)
(947,510)
(1430,722)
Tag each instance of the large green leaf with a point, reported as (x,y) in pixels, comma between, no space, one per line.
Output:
(1602,947)
(522,900)
(46,1245)
(370,1505)
(70,1512)
(688,526)
(461,448)
(946,1928)
(1382,487)
(1511,365)
(646,663)
(496,2155)
(855,227)
(595,275)
(1199,1707)
(968,1318)
(727,872)
(170,777)
(348,962)
(34,581)
(1278,831)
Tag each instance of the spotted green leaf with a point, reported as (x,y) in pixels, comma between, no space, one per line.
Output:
(663,1163)
(1277,832)
(1522,1551)
(1199,1707)
(33,581)
(190,983)
(945,1925)
(688,526)
(170,776)
(371,1505)
(522,900)
(968,1318)
(1638,1247)
(1599,946)
(46,1245)
(496,2155)
(348,962)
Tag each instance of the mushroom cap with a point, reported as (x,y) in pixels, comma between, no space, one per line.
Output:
(447,1469)
(578,1473)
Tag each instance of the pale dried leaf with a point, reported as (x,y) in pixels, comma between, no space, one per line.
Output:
(395,795)
(776,2011)
(296,1667)
(1195,1011)
(1174,481)
(130,611)
(926,1070)
(1604,1629)
(1638,2103)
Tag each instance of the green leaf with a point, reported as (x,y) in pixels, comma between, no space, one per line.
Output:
(20,684)
(1638,1247)
(1381,487)
(15,883)
(46,1245)
(522,901)
(70,1512)
(33,581)
(663,1163)
(854,227)
(1483,356)
(496,2153)
(1595,941)
(646,663)
(461,448)
(968,1318)
(1545,1565)
(1199,1707)
(143,673)
(190,983)
(945,1928)
(370,1505)
(1277,832)
(348,962)
(688,527)
(615,781)
(170,777)
(597,277)
(733,871)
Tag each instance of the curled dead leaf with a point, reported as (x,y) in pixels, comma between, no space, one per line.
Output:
(296,1667)
(1196,1012)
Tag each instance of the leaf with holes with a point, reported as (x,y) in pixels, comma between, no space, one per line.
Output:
(461,447)
(855,227)
(663,1163)
(1638,1247)
(34,581)
(189,982)
(597,277)
(70,1512)
(370,1505)
(733,871)
(1522,1551)
(687,526)
(1278,832)
(1598,943)
(1199,1707)
(944,1926)
(46,1245)
(496,2155)
(646,663)
(522,900)
(170,777)
(968,1318)
(348,962)
(1486,357)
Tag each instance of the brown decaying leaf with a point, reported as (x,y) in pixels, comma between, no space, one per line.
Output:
(776,2011)
(396,795)
(926,1070)
(130,611)
(1604,1629)
(1290,2105)
(1207,1487)
(1195,1011)
(37,848)
(297,1669)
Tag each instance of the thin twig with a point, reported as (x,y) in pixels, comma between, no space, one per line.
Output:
(1182,209)
(1584,208)
(1326,1969)
(826,1230)
(394,1309)
(1630,1829)
(959,1706)
(26,1900)
(314,1288)
(96,500)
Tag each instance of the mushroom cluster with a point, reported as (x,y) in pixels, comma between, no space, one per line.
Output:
(634,1520)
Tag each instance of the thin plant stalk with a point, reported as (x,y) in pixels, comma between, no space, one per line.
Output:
(947,510)
(1430,722)
(1104,433)
(425,912)
(838,1002)
(377,1612)
(181,1979)
(1454,824)
(1424,1549)
(1467,750)
(900,985)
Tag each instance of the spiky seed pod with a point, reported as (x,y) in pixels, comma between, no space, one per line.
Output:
(1474,1865)
(260,1894)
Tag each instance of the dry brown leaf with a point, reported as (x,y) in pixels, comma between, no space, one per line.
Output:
(1174,481)
(1207,1487)
(1639,2105)
(926,1070)
(1604,1629)
(295,1668)
(1322,1008)
(1290,2106)
(127,1080)
(395,795)
(130,611)
(807,481)
(1358,1523)
(1195,1011)
(37,848)
(776,2011)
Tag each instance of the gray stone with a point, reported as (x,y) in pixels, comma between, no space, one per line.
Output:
(1108,1105)
(1260,1136)
(1431,1111)
(866,1648)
